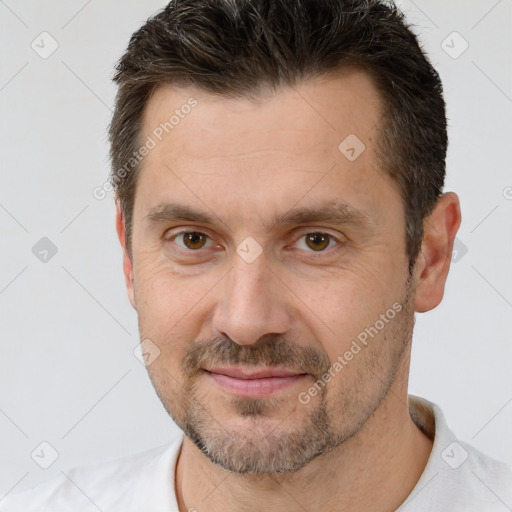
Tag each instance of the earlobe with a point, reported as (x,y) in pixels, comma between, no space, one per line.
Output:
(127,261)
(434,260)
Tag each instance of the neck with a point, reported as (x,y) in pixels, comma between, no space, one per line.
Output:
(375,470)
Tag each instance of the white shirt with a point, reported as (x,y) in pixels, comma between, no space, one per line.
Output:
(457,478)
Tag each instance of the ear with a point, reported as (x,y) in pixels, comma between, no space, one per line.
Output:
(434,260)
(127,261)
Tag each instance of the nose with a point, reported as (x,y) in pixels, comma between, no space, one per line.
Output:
(251,303)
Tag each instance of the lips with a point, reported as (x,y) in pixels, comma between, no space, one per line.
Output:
(239,373)
(256,383)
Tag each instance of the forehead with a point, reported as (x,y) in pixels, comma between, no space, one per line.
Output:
(272,148)
(325,110)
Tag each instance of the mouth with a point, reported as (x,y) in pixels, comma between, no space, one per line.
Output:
(253,383)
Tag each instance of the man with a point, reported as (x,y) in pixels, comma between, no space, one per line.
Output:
(279,169)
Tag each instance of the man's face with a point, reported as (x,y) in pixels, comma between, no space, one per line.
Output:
(262,255)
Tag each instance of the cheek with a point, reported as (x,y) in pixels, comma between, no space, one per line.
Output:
(152,287)
(344,305)
(171,307)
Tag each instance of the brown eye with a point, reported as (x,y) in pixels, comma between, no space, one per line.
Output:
(317,241)
(193,239)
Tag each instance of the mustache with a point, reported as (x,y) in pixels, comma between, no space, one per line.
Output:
(270,350)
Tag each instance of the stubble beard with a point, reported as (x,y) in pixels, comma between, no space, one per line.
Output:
(261,444)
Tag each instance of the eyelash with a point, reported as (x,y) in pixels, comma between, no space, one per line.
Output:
(313,253)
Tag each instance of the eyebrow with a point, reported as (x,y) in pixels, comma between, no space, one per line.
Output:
(336,212)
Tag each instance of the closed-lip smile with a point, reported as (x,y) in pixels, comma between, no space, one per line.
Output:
(253,382)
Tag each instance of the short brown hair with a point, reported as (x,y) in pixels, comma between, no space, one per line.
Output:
(236,47)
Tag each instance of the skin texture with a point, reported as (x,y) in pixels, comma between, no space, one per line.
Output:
(353,445)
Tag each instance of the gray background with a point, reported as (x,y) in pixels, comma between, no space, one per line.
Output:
(68,374)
